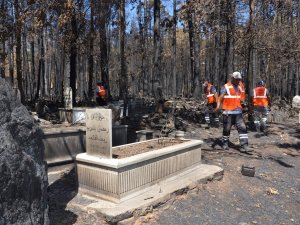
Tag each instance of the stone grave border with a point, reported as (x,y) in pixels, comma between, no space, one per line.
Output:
(116,179)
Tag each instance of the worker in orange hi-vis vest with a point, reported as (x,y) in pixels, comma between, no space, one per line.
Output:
(260,99)
(212,98)
(100,94)
(230,99)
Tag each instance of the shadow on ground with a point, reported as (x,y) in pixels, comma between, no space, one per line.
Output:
(60,193)
(296,146)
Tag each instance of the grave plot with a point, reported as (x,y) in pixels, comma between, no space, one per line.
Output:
(134,166)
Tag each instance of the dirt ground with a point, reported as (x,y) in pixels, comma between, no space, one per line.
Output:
(130,150)
(272,196)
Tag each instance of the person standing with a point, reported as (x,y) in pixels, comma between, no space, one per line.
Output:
(260,99)
(230,98)
(212,97)
(100,94)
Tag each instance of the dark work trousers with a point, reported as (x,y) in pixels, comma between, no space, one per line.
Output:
(209,113)
(237,120)
(260,118)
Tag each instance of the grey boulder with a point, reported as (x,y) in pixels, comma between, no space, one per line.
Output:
(23,173)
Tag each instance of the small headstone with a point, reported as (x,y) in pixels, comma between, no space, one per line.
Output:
(143,135)
(99,132)
(179,135)
(68,98)
(296,104)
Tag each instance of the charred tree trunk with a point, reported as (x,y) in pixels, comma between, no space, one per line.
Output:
(227,23)
(297,79)
(18,31)
(11,61)
(2,59)
(217,54)
(157,76)
(27,81)
(33,74)
(218,78)
(41,69)
(229,38)
(91,56)
(249,79)
(123,72)
(142,76)
(197,91)
(3,9)
(174,78)
(104,8)
(147,79)
(73,57)
(191,43)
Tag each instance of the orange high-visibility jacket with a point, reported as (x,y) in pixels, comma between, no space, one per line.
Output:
(232,99)
(210,96)
(260,97)
(243,95)
(101,92)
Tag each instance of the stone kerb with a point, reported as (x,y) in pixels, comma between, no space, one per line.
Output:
(99,132)
(118,179)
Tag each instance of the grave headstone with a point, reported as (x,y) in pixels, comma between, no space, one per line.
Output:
(68,98)
(143,135)
(99,132)
(296,104)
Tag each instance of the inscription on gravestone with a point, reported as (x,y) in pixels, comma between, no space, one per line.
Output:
(68,98)
(99,132)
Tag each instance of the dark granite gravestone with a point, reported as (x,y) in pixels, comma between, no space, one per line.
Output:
(23,176)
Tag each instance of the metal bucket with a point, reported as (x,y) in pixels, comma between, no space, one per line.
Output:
(248,171)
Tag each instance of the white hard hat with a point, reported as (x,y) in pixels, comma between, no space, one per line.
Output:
(236,75)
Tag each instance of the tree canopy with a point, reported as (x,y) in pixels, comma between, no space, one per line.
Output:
(138,45)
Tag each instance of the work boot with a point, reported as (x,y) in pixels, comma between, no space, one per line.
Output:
(245,149)
(208,126)
(225,146)
(257,127)
(264,130)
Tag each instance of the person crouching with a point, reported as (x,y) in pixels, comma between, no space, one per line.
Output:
(100,94)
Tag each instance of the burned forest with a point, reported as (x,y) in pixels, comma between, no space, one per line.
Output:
(136,112)
(137,46)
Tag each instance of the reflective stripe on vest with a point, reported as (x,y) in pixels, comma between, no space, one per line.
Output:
(232,98)
(260,96)
(210,95)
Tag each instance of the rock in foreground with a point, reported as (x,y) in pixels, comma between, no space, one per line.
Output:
(23,176)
